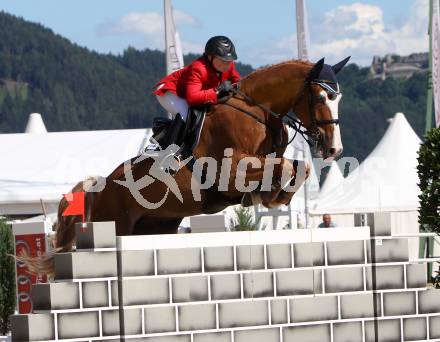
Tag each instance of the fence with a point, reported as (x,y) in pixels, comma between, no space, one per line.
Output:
(327,285)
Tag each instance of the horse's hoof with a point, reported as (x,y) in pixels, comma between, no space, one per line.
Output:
(246,200)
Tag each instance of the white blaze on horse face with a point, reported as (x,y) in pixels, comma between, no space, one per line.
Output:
(333,105)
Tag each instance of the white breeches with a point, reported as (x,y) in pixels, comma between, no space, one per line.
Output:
(174,104)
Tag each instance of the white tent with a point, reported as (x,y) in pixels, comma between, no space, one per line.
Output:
(41,167)
(333,179)
(385,181)
(35,124)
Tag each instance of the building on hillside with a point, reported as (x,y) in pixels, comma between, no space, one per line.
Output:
(398,66)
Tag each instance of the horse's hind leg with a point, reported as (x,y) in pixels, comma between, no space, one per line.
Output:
(151,226)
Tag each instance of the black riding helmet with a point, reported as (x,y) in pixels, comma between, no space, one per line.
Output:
(221,47)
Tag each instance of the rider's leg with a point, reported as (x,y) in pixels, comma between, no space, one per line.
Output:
(173,104)
(178,108)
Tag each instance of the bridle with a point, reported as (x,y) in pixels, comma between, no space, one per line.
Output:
(313,135)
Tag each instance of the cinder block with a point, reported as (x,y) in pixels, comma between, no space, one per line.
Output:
(132,322)
(347,332)
(179,260)
(385,277)
(95,235)
(137,263)
(307,333)
(160,319)
(429,301)
(353,279)
(360,306)
(257,335)
(197,317)
(78,324)
(80,265)
(278,309)
(434,327)
(225,286)
(250,257)
(390,250)
(416,275)
(308,309)
(95,294)
(279,256)
(33,327)
(170,338)
(190,289)
(241,314)
(380,224)
(142,291)
(414,329)
(399,303)
(219,259)
(55,296)
(387,330)
(298,282)
(345,252)
(213,337)
(258,284)
(308,254)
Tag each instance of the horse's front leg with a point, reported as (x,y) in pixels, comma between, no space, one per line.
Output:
(260,178)
(301,171)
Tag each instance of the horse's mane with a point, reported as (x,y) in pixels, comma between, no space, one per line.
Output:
(250,82)
(263,69)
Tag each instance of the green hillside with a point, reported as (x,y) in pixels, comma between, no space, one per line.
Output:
(78,89)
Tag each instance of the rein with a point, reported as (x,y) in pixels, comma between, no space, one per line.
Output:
(312,136)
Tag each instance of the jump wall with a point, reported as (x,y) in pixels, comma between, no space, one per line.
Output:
(326,285)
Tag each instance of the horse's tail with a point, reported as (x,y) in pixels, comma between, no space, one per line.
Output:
(64,233)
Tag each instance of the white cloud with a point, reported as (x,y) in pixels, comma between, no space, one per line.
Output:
(359,30)
(151,26)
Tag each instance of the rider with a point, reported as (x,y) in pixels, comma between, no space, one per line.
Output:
(200,83)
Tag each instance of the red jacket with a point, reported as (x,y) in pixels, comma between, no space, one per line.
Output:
(197,82)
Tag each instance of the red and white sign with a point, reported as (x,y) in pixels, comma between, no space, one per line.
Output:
(31,238)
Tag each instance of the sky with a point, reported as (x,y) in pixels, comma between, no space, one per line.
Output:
(264,32)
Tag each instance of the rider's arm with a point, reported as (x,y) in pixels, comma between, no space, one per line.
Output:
(195,94)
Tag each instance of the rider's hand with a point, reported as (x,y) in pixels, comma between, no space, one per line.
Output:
(225,87)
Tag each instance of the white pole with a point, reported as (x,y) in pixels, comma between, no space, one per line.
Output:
(173,49)
(302,30)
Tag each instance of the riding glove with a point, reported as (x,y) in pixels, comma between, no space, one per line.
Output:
(225,87)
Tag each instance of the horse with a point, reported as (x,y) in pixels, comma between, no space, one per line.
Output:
(246,126)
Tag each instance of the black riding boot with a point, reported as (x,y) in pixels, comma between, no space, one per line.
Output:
(174,133)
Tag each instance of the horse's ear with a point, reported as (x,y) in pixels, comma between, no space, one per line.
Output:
(338,66)
(316,69)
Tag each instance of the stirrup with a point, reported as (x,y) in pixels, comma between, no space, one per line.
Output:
(171,164)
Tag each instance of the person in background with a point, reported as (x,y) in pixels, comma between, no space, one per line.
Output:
(326,222)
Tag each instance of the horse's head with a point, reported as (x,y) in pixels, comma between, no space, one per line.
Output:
(319,108)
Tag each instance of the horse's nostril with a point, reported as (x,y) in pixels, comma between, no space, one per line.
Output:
(332,151)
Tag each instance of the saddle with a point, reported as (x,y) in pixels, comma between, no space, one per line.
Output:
(188,137)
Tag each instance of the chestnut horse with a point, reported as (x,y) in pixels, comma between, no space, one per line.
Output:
(248,124)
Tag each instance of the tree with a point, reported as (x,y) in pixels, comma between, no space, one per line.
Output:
(429,176)
(7,276)
(244,220)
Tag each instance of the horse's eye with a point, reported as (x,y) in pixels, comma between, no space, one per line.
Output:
(332,96)
(321,98)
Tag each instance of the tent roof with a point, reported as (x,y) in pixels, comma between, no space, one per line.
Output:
(44,166)
(333,179)
(385,181)
(35,124)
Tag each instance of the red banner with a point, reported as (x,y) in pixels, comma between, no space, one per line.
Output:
(33,245)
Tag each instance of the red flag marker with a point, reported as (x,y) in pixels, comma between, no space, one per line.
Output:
(75,205)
